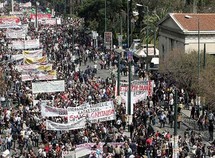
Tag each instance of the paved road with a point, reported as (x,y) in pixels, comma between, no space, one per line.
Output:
(107,73)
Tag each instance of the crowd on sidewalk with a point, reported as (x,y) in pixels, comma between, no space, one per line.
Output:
(23,130)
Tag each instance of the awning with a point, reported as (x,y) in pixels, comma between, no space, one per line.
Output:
(143,51)
(155,61)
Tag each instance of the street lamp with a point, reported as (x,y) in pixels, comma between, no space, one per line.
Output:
(36,16)
(129,106)
(12,5)
(198,29)
(105,15)
(175,145)
(128,24)
(147,32)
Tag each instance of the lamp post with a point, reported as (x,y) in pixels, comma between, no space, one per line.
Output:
(129,106)
(147,34)
(12,5)
(198,29)
(118,74)
(105,15)
(128,24)
(36,18)
(175,145)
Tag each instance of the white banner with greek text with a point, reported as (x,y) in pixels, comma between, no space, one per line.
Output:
(77,113)
(14,34)
(39,75)
(48,86)
(140,90)
(94,113)
(50,111)
(38,102)
(50,125)
(33,67)
(103,111)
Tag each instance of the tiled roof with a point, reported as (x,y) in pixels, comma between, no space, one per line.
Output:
(189,21)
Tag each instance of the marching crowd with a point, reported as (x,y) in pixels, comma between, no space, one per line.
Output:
(23,130)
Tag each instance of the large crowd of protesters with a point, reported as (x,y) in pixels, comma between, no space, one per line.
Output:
(23,130)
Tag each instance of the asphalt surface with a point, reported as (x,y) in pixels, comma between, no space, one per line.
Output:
(104,73)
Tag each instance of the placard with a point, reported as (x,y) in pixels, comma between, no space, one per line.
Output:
(48,86)
(50,111)
(108,40)
(39,75)
(50,125)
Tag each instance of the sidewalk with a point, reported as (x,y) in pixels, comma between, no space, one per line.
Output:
(192,124)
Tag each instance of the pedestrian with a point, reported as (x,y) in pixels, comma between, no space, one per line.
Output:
(211,130)
(162,120)
(9,141)
(171,118)
(179,119)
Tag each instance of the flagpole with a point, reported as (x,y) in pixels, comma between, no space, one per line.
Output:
(12,4)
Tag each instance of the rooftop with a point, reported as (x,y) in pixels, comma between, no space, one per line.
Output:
(189,21)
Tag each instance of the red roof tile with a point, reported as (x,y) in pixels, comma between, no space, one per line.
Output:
(206,21)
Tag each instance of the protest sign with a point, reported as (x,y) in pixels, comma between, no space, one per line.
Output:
(25,5)
(39,60)
(46,102)
(33,67)
(52,21)
(77,113)
(15,34)
(108,40)
(32,44)
(39,75)
(17,57)
(40,16)
(33,53)
(18,44)
(48,86)
(100,112)
(50,125)
(9,20)
(50,111)
(140,90)
(1,5)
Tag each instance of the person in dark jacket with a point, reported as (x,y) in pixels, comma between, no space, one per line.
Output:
(211,131)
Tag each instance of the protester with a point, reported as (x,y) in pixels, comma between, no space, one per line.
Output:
(23,129)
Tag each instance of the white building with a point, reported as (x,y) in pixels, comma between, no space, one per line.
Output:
(180,31)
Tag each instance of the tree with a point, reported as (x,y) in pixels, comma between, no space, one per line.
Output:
(93,11)
(181,69)
(207,81)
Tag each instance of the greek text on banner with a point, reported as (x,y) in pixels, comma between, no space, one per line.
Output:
(50,111)
(48,86)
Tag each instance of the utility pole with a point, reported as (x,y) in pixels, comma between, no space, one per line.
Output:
(129,103)
(105,15)
(12,5)
(194,6)
(155,41)
(65,7)
(128,24)
(204,60)
(36,20)
(175,145)
(118,75)
(147,40)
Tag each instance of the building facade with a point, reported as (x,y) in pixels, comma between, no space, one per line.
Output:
(183,31)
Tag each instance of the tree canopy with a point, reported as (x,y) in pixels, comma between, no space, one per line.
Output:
(182,69)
